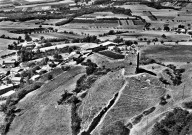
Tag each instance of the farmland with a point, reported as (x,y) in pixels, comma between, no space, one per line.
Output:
(178,53)
(56,35)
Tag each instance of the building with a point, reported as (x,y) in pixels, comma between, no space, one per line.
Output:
(9,63)
(16,80)
(15,71)
(108,43)
(7,94)
(6,88)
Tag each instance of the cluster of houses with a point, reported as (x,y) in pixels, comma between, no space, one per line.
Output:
(12,77)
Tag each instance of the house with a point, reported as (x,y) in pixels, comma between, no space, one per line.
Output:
(5,88)
(16,80)
(9,63)
(15,71)
(108,43)
(7,94)
(30,44)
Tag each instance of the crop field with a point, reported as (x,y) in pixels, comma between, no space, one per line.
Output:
(85,28)
(53,21)
(136,97)
(40,3)
(112,55)
(138,8)
(103,14)
(177,53)
(56,35)
(158,34)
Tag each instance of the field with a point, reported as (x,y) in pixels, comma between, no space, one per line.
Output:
(4,43)
(170,36)
(134,99)
(99,95)
(56,35)
(43,115)
(177,53)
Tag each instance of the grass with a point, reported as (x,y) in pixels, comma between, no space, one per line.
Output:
(137,96)
(56,35)
(99,95)
(177,53)
(40,112)
(4,43)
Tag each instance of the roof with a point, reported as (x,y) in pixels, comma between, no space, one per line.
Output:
(6,86)
(8,93)
(17,69)
(25,44)
(8,62)
(16,79)
(108,43)
(35,77)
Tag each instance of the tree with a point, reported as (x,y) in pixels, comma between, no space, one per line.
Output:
(128,42)
(20,38)
(166,28)
(49,77)
(3,36)
(148,42)
(28,38)
(40,26)
(42,37)
(163,36)
(118,40)
(47,44)
(111,32)
(162,42)
(141,39)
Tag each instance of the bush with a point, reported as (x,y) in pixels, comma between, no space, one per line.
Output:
(188,105)
(176,122)
(49,77)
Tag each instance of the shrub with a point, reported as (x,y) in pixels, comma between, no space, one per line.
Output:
(188,105)
(49,77)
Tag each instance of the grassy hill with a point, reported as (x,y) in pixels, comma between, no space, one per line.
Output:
(114,103)
(41,114)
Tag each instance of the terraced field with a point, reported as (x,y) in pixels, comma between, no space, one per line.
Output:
(134,99)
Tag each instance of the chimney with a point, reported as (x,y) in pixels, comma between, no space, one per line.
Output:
(137,68)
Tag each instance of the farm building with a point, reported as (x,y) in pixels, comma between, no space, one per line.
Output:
(108,43)
(5,88)
(9,63)
(16,80)
(15,71)
(7,94)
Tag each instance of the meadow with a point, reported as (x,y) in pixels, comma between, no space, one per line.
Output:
(176,53)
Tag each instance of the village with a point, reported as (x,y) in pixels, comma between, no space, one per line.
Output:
(95,67)
(17,71)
